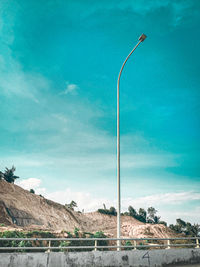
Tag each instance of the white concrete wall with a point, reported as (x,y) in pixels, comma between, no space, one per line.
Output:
(135,258)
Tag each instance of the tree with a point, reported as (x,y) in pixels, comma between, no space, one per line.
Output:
(181,223)
(71,205)
(113,211)
(9,175)
(176,228)
(195,230)
(156,219)
(132,212)
(32,191)
(186,228)
(142,215)
(163,222)
(151,215)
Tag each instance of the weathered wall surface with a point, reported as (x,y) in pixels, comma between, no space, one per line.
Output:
(137,258)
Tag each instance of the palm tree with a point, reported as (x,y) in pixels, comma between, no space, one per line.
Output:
(9,175)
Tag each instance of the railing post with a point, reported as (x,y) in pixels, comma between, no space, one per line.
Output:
(197,242)
(135,244)
(168,244)
(49,250)
(95,245)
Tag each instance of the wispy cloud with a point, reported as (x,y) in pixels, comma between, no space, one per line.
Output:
(26,85)
(149,160)
(91,161)
(14,81)
(159,199)
(71,88)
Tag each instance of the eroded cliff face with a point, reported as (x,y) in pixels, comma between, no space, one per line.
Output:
(20,217)
(4,216)
(21,208)
(10,214)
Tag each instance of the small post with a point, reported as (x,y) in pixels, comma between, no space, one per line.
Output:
(95,245)
(168,244)
(135,244)
(49,246)
(197,242)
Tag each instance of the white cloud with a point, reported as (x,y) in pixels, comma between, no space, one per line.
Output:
(159,199)
(164,202)
(29,183)
(84,200)
(191,215)
(32,183)
(70,89)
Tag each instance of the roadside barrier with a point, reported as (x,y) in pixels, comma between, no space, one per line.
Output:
(76,244)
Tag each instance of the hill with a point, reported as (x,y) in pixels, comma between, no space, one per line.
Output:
(19,209)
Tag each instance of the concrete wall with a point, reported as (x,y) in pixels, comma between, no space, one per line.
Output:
(134,258)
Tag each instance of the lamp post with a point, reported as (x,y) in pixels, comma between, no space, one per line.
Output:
(141,39)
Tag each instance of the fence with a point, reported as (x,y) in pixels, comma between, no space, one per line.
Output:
(66,244)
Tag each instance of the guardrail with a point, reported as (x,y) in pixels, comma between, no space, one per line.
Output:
(51,244)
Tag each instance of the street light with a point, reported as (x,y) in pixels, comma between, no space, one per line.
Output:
(141,39)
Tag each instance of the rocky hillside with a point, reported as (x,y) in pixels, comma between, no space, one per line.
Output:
(22,210)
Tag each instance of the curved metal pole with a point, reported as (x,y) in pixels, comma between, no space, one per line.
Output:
(141,39)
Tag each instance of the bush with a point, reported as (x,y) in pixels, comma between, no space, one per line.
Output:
(43,234)
(128,243)
(111,211)
(32,191)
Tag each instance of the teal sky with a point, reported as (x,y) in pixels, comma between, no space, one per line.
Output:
(59,63)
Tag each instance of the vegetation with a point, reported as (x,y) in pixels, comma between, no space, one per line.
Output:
(141,215)
(32,191)
(127,244)
(24,243)
(8,175)
(182,227)
(111,211)
(71,205)
(149,216)
(43,234)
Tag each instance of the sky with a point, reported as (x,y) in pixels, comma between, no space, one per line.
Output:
(59,64)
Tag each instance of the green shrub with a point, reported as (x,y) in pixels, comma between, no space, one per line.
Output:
(128,243)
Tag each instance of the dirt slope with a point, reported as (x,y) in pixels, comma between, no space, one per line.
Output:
(23,210)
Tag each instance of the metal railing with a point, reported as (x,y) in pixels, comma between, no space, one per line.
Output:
(56,244)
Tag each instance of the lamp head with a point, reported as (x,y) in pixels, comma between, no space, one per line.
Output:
(142,37)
